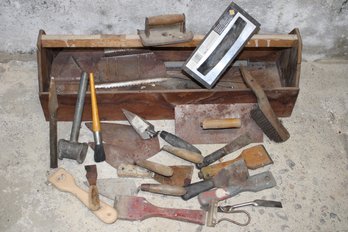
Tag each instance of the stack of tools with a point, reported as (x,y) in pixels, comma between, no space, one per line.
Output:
(128,148)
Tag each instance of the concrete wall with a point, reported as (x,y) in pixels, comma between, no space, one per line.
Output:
(323,23)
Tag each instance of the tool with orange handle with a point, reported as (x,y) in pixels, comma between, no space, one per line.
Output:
(99,153)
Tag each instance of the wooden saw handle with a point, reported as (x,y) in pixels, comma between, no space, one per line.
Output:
(155,167)
(184,154)
(221,123)
(65,182)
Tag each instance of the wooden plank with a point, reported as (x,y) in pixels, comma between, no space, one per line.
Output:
(160,104)
(133,41)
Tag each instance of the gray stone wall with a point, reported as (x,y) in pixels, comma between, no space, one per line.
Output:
(322,23)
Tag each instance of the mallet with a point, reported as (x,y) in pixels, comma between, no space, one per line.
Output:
(72,149)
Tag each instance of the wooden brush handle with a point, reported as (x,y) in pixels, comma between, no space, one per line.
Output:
(221,123)
(64,181)
(184,154)
(209,171)
(163,189)
(95,114)
(253,85)
(155,167)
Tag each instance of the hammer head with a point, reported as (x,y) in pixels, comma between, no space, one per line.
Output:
(72,150)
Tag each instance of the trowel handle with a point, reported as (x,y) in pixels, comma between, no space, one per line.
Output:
(164,20)
(178,142)
(184,154)
(163,189)
(209,159)
(75,130)
(221,123)
(194,189)
(155,167)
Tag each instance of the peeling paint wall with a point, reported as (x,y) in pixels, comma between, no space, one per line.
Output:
(323,23)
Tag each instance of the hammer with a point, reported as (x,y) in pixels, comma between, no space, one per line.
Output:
(72,149)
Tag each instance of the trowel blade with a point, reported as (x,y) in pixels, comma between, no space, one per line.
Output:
(110,187)
(141,126)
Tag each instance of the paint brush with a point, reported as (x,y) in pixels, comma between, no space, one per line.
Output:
(99,153)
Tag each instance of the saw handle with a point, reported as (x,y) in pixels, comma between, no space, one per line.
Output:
(184,154)
(65,182)
(163,189)
(155,167)
(178,142)
(221,123)
(194,189)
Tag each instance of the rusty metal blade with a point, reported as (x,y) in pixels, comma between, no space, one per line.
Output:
(188,118)
(138,208)
(91,174)
(123,145)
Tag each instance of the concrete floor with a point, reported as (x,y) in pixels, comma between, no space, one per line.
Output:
(311,168)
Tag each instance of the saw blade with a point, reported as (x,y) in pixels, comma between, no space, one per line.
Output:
(130,83)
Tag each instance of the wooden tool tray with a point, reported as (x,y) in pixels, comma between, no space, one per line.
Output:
(274,60)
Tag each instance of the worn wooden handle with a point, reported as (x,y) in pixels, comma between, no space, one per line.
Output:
(130,170)
(163,189)
(165,19)
(93,198)
(64,181)
(221,123)
(184,154)
(156,167)
(95,114)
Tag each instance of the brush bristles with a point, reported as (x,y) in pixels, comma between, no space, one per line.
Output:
(99,153)
(266,126)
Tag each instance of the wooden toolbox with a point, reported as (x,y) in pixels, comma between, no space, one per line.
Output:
(275,60)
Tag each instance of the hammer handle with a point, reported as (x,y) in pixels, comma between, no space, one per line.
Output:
(75,130)
(95,114)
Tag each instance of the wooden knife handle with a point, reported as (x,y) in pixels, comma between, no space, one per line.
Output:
(221,123)
(184,154)
(155,167)
(194,189)
(178,142)
(163,189)
(209,171)
(93,198)
(64,181)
